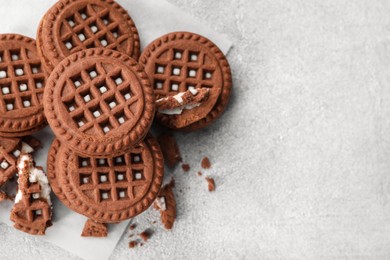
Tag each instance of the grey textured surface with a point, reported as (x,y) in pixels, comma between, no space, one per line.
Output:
(300,158)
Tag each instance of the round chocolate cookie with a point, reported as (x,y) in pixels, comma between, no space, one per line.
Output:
(191,79)
(22,81)
(99,102)
(107,189)
(74,25)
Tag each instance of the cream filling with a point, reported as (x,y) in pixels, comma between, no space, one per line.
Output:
(179,98)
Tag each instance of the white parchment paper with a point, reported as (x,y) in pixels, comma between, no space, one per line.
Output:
(153,19)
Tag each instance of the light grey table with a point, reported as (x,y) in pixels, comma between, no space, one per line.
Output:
(300,158)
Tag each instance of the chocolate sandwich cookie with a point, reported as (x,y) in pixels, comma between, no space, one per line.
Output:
(22,81)
(99,102)
(73,25)
(10,150)
(107,189)
(191,79)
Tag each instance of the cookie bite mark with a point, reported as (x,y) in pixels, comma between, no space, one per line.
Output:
(94,229)
(32,211)
(174,105)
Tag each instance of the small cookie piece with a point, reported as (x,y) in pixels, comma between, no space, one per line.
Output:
(166,204)
(71,26)
(10,150)
(32,211)
(206,163)
(107,189)
(183,62)
(99,102)
(170,149)
(4,196)
(133,244)
(211,184)
(186,167)
(146,234)
(22,81)
(94,229)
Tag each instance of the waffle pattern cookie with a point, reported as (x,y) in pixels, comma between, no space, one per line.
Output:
(185,63)
(72,25)
(22,81)
(107,189)
(99,102)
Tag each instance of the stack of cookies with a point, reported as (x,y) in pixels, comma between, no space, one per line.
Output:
(100,95)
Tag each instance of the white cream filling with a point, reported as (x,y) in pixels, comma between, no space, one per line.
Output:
(179,98)
(26,148)
(161,203)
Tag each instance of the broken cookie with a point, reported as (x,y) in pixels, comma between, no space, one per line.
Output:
(32,211)
(94,229)
(174,105)
(166,204)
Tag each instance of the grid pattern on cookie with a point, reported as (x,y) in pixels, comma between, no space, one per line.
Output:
(35,209)
(99,101)
(9,153)
(21,80)
(91,27)
(180,69)
(112,179)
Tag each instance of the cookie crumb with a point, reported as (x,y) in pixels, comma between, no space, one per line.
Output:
(186,167)
(170,149)
(94,229)
(206,163)
(133,244)
(146,235)
(132,226)
(211,184)
(199,173)
(4,196)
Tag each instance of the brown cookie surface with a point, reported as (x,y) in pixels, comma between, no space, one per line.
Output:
(9,152)
(99,102)
(110,189)
(180,62)
(73,25)
(22,81)
(94,229)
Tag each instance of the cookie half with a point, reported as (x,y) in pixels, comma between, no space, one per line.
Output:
(107,189)
(99,102)
(182,66)
(22,81)
(72,25)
